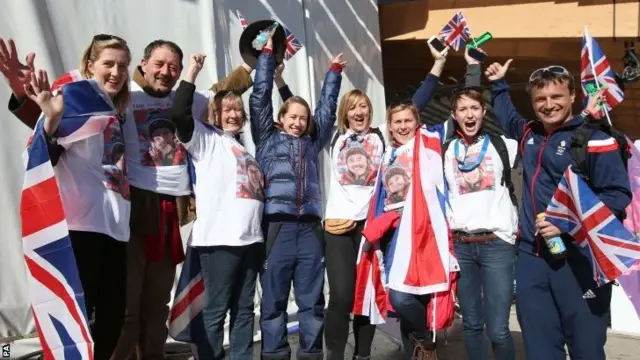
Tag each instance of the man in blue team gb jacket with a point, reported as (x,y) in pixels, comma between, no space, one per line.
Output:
(551,308)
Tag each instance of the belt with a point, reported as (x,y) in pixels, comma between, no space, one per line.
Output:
(473,238)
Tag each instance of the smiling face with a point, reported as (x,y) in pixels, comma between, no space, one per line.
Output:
(357,163)
(162,68)
(294,116)
(163,140)
(469,112)
(402,124)
(552,100)
(231,114)
(110,69)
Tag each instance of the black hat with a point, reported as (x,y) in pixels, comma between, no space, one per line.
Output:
(249,54)
(159,123)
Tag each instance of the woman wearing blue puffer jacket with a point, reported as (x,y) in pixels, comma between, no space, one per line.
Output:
(288,153)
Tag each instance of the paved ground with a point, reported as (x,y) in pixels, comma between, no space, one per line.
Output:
(619,347)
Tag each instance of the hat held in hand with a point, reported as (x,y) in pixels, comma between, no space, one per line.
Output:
(249,54)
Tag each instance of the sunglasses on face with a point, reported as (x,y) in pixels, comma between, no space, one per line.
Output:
(106,37)
(553,69)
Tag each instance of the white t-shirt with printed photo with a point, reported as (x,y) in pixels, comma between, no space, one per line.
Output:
(229,190)
(397,173)
(157,161)
(479,202)
(92,177)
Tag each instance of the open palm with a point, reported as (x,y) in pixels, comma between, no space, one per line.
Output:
(16,73)
(39,91)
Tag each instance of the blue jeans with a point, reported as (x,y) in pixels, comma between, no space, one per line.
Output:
(229,274)
(295,252)
(411,310)
(485,291)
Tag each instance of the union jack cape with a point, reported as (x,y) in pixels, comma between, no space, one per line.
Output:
(576,210)
(420,258)
(57,297)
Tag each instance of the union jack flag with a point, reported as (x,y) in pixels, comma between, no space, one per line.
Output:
(456,32)
(243,21)
(57,297)
(293,44)
(576,210)
(593,64)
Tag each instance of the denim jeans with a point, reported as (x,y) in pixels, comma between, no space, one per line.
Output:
(485,291)
(411,310)
(229,274)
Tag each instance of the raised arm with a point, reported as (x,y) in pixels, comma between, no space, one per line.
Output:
(473,76)
(507,116)
(181,113)
(260,104)
(283,88)
(17,76)
(238,80)
(425,92)
(325,114)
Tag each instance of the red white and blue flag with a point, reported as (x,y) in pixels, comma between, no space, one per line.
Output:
(576,210)
(243,21)
(595,65)
(57,297)
(456,33)
(419,259)
(293,44)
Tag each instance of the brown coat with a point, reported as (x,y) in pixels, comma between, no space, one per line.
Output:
(145,204)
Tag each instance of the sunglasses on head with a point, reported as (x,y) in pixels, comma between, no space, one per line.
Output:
(553,69)
(106,37)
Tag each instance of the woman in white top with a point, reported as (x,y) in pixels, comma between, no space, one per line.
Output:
(229,201)
(93,183)
(484,222)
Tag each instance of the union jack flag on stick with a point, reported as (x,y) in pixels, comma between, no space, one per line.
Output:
(456,32)
(57,297)
(243,21)
(576,210)
(293,44)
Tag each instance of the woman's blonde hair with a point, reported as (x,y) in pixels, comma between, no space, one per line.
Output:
(347,102)
(396,108)
(215,106)
(92,53)
(311,128)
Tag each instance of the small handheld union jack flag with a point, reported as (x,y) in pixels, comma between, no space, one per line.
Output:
(593,64)
(243,21)
(293,44)
(456,32)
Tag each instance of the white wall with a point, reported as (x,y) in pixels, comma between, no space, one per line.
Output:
(59,30)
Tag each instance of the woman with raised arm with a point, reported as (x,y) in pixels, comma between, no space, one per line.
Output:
(288,152)
(356,152)
(229,195)
(94,187)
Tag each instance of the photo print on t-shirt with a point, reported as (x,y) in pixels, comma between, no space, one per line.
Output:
(481,178)
(358,161)
(159,145)
(249,179)
(113,160)
(397,176)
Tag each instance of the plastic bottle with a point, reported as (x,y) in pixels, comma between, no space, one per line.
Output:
(555,244)
(261,40)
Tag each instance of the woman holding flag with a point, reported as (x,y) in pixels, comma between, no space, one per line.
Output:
(85,119)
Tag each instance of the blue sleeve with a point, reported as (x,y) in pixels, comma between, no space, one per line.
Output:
(425,92)
(506,114)
(325,115)
(260,105)
(285,93)
(609,179)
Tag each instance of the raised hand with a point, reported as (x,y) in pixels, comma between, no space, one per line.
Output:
(496,71)
(196,62)
(277,76)
(595,103)
(15,73)
(340,61)
(468,57)
(437,55)
(39,91)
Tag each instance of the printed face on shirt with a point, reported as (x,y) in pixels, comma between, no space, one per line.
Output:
(249,178)
(358,159)
(156,135)
(111,70)
(162,69)
(403,125)
(479,179)
(552,103)
(113,160)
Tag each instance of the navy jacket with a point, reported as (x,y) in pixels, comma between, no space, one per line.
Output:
(545,157)
(290,164)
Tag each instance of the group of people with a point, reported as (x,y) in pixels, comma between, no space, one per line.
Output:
(261,216)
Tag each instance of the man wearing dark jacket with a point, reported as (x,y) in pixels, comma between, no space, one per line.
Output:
(550,305)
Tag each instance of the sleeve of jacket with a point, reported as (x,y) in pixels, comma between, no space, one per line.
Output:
(260,104)
(238,80)
(425,92)
(609,179)
(181,114)
(26,111)
(473,77)
(325,114)
(506,114)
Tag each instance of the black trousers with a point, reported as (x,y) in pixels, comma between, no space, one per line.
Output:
(341,255)
(102,266)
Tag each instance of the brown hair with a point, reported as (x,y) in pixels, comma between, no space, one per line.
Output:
(396,108)
(548,77)
(92,53)
(311,128)
(215,106)
(471,93)
(348,100)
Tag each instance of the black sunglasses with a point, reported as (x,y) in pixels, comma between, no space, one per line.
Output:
(553,69)
(106,37)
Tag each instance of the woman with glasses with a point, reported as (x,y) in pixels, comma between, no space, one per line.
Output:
(356,152)
(93,185)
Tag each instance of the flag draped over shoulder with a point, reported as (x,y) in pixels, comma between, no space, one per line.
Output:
(419,259)
(57,297)
(576,210)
